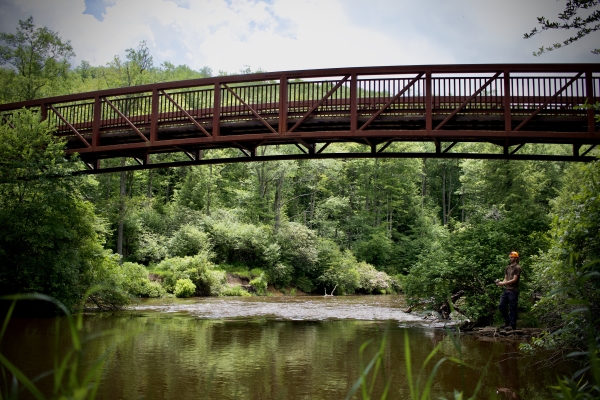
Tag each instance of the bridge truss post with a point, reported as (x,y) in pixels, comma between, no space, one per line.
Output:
(44,111)
(506,103)
(283,104)
(216,122)
(353,101)
(589,94)
(97,122)
(428,103)
(154,117)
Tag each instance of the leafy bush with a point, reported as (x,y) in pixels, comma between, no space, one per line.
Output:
(188,241)
(373,281)
(241,271)
(136,282)
(239,243)
(199,269)
(342,272)
(235,291)
(121,282)
(107,274)
(298,247)
(377,250)
(280,274)
(260,284)
(151,248)
(184,288)
(304,284)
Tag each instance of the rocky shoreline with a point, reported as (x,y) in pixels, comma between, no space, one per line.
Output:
(494,333)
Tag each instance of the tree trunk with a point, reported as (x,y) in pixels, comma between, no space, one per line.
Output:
(129,187)
(121,212)
(108,187)
(149,192)
(423,184)
(449,207)
(312,209)
(278,202)
(463,203)
(208,189)
(444,222)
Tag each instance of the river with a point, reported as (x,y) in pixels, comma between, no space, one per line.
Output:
(274,348)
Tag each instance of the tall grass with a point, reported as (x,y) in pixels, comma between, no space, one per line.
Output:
(419,385)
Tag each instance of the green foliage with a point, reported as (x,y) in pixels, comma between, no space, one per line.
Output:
(240,243)
(235,291)
(297,246)
(184,288)
(508,210)
(199,269)
(30,154)
(136,283)
(188,241)
(51,240)
(342,272)
(280,275)
(37,58)
(260,284)
(568,274)
(468,259)
(373,281)
(377,250)
(569,20)
(108,274)
(304,283)
(150,248)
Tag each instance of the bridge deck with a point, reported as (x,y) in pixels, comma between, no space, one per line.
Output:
(506,105)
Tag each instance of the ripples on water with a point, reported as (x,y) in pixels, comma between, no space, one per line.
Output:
(368,308)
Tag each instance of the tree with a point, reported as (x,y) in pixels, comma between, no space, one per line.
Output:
(570,21)
(569,271)
(50,241)
(35,58)
(136,70)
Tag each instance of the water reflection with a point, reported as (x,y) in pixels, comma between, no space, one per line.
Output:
(268,354)
(509,371)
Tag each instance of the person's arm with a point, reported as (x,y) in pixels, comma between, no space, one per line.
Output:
(505,282)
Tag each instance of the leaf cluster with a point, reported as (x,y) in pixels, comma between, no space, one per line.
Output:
(569,20)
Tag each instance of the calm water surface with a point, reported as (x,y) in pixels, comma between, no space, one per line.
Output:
(273,348)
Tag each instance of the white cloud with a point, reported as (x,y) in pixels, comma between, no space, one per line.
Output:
(286,34)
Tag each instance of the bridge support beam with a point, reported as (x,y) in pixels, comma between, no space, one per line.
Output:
(589,93)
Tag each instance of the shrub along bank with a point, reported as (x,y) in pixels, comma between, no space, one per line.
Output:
(204,250)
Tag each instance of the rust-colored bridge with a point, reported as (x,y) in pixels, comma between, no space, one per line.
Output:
(448,108)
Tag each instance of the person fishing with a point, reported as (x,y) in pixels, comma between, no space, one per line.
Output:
(510,298)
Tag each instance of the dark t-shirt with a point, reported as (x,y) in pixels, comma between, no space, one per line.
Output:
(510,273)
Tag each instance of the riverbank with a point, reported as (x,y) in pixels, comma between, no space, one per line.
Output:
(494,333)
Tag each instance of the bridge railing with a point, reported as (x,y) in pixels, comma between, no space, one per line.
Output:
(373,100)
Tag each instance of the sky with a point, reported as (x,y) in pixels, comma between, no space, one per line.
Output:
(282,35)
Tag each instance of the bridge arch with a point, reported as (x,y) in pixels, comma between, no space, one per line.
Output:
(443,106)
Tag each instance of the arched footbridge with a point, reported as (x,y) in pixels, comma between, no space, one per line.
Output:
(452,110)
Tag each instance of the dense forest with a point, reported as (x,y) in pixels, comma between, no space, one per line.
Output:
(436,230)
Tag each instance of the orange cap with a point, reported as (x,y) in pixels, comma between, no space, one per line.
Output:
(514,254)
